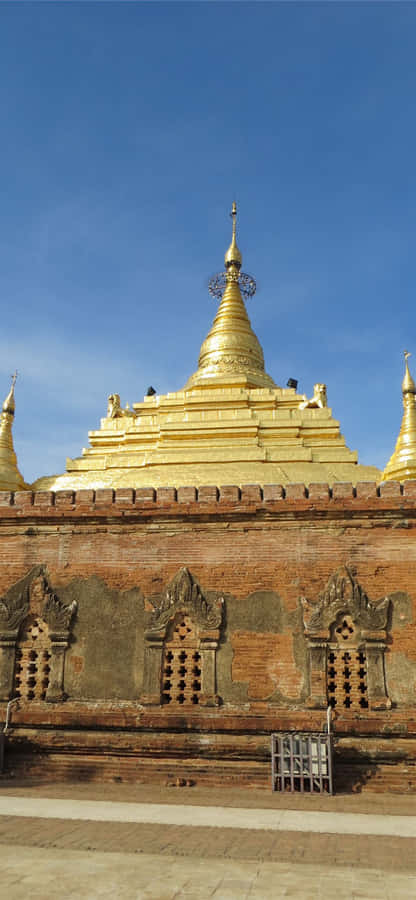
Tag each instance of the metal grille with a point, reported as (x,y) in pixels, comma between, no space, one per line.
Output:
(302,762)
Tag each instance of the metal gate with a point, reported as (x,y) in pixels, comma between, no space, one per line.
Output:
(302,762)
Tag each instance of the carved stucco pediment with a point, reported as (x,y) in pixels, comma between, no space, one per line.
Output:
(184,594)
(34,594)
(12,612)
(57,614)
(344,595)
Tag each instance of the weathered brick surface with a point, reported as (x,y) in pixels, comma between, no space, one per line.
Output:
(166,495)
(295,491)
(47,498)
(145,495)
(236,751)
(409,489)
(267,663)
(124,496)
(367,490)
(260,549)
(104,496)
(187,495)
(390,489)
(251,493)
(64,499)
(342,491)
(318,491)
(208,494)
(273,492)
(229,493)
(23,499)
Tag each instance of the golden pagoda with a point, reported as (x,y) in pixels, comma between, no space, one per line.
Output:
(10,477)
(402,465)
(231,424)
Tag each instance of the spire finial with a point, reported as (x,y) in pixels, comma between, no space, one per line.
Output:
(233,255)
(233,215)
(408,384)
(9,404)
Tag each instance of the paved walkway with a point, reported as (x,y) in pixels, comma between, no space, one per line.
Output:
(120,841)
(226,796)
(43,875)
(211,817)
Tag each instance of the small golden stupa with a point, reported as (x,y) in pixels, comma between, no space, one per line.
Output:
(231,424)
(402,465)
(10,477)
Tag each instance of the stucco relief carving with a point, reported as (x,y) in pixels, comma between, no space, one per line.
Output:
(12,612)
(168,625)
(344,595)
(29,602)
(183,594)
(56,614)
(346,634)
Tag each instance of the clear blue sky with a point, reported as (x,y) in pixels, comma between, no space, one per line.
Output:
(128,129)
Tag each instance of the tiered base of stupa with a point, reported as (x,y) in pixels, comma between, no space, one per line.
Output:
(227,433)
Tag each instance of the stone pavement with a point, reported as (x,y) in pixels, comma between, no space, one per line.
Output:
(90,840)
(44,874)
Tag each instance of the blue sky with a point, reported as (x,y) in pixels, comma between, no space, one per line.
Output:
(128,129)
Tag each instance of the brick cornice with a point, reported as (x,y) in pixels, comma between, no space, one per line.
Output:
(292,500)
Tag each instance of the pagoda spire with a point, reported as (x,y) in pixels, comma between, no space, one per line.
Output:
(402,465)
(231,352)
(10,477)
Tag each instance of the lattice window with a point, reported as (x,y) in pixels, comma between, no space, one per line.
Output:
(181,664)
(32,660)
(347,638)
(347,669)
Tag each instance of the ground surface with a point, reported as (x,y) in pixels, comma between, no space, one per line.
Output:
(167,843)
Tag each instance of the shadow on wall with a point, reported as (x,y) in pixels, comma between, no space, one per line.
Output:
(354,772)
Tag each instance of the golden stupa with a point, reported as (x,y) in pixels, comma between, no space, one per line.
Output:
(10,477)
(402,465)
(231,424)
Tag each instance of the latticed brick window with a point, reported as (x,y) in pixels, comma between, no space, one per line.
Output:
(347,638)
(181,638)
(346,669)
(32,660)
(181,664)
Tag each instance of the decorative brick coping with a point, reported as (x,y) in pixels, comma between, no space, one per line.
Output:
(248,497)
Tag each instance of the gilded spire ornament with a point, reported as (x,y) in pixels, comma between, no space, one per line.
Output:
(402,464)
(231,351)
(10,477)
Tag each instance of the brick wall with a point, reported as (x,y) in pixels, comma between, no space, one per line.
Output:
(260,548)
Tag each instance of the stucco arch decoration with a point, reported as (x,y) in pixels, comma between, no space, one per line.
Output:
(33,596)
(343,606)
(182,596)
